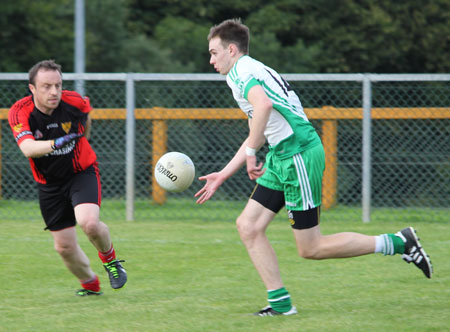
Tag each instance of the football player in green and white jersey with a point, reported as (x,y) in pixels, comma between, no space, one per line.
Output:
(291,175)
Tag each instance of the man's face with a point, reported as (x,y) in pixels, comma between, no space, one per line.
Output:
(47,89)
(221,57)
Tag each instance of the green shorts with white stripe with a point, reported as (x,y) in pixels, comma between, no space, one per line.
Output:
(299,177)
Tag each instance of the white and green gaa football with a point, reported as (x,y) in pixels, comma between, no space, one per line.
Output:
(174,171)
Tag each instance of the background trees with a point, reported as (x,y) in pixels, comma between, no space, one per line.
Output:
(320,36)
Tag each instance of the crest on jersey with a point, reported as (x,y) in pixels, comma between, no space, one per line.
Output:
(66,126)
(18,127)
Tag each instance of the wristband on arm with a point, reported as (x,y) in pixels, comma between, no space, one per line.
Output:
(250,151)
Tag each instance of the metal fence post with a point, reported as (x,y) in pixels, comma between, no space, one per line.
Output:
(130,144)
(366,148)
(80,54)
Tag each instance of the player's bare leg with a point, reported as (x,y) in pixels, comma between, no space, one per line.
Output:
(65,242)
(252,225)
(312,244)
(88,216)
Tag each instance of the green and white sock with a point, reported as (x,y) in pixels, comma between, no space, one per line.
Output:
(389,244)
(279,299)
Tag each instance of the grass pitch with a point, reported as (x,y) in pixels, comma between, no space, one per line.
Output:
(196,276)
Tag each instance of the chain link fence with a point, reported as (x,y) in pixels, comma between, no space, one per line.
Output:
(409,151)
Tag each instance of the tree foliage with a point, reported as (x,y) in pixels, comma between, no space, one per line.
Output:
(34,30)
(290,35)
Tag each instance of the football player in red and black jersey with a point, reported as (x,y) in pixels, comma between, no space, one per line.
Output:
(51,127)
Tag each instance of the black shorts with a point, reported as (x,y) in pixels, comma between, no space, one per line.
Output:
(274,200)
(57,201)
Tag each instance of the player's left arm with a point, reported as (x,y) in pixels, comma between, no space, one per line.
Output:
(262,107)
(87,128)
(83,104)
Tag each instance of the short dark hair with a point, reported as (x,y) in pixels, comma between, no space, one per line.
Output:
(46,65)
(232,31)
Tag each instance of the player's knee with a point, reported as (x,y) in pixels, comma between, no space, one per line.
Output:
(90,225)
(87,216)
(308,252)
(64,250)
(247,229)
(243,226)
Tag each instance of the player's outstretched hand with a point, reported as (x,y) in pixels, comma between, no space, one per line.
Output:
(213,182)
(63,140)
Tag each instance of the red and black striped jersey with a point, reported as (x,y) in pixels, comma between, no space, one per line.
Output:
(27,122)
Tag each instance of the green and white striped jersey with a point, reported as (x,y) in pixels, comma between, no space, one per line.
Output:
(288,130)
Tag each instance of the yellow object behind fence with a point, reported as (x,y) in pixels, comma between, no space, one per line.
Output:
(328,114)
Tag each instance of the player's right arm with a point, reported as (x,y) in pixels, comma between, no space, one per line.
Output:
(18,118)
(215,180)
(35,149)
